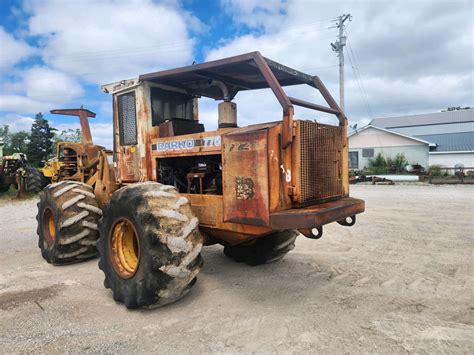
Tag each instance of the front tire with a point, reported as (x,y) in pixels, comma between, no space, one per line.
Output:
(67,223)
(149,245)
(265,249)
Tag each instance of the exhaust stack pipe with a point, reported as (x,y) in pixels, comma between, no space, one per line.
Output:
(227,111)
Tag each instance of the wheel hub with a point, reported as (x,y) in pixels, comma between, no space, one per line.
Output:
(49,226)
(124,248)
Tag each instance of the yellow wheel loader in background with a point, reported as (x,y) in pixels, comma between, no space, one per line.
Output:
(75,160)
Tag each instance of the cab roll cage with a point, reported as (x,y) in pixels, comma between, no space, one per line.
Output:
(248,72)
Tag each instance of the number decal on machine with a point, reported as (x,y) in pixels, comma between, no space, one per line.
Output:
(214,141)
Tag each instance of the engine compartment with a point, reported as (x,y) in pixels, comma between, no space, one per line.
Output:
(194,174)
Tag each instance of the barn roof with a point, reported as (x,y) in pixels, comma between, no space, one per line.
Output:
(451,142)
(447,117)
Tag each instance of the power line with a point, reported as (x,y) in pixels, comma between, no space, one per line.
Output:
(75,56)
(359,80)
(360,87)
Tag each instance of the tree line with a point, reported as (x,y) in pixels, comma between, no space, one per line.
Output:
(39,143)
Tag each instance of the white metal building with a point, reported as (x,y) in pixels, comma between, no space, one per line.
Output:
(451,132)
(367,142)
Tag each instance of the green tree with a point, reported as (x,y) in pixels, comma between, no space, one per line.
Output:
(397,164)
(40,145)
(5,138)
(378,165)
(69,135)
(19,142)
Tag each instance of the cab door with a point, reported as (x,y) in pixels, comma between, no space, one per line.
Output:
(128,155)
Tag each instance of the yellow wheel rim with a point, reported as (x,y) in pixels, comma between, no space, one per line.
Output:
(124,248)
(49,226)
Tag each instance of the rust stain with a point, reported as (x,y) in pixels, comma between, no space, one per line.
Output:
(244,188)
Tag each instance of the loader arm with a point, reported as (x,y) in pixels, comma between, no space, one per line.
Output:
(83,114)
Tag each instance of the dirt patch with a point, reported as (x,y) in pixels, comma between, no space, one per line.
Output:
(11,300)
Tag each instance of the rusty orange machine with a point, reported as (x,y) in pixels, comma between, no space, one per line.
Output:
(169,187)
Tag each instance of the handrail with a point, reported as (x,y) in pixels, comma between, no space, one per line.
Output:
(312,106)
(287,129)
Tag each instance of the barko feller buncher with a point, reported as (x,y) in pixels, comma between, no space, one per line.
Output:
(169,187)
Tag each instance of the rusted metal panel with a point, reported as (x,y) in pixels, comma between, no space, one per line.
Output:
(129,164)
(207,214)
(276,192)
(106,182)
(127,155)
(317,215)
(135,161)
(145,132)
(215,225)
(245,178)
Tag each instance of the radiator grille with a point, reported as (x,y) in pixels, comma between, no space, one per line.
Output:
(321,165)
(127,119)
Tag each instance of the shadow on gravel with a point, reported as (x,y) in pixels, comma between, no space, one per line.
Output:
(11,300)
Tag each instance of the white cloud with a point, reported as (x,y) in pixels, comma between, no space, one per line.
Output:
(38,89)
(45,84)
(256,13)
(22,104)
(105,40)
(12,50)
(17,122)
(407,63)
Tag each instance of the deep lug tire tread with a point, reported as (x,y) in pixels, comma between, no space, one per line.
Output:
(35,181)
(170,245)
(76,218)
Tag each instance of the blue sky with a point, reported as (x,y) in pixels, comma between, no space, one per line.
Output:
(403,56)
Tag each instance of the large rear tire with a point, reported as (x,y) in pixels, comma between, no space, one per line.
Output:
(264,250)
(67,223)
(35,181)
(149,245)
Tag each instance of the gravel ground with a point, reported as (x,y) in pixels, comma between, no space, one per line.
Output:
(400,280)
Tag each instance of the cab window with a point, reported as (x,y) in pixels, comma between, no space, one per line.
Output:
(168,105)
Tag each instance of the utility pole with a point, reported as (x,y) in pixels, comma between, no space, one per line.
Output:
(338,47)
